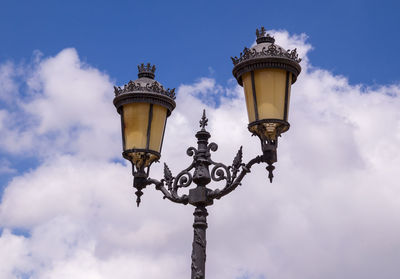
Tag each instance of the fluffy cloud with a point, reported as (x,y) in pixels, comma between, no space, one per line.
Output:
(331,211)
(65,110)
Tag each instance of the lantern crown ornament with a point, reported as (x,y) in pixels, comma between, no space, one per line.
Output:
(265,54)
(145,84)
(144,106)
(262,37)
(146,71)
(266,71)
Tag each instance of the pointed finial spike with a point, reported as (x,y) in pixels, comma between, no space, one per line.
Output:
(138,193)
(203,121)
(270,168)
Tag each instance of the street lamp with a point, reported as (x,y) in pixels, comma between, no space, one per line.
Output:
(266,71)
(144,106)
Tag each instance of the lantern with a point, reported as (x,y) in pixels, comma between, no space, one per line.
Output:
(144,106)
(266,72)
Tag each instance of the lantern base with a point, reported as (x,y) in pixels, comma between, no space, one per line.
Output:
(141,160)
(268,129)
(270,155)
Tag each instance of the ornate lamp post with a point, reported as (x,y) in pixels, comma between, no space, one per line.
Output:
(266,72)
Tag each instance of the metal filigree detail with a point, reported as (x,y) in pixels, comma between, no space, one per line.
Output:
(183,179)
(201,172)
(168,178)
(237,163)
(271,51)
(153,87)
(220,172)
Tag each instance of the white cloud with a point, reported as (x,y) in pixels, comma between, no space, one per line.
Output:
(330,213)
(66,111)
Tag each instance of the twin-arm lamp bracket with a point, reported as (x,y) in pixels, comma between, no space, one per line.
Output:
(203,170)
(266,71)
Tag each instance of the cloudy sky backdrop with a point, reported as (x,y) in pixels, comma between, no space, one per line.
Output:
(67,206)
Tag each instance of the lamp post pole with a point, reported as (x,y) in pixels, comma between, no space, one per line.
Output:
(204,171)
(266,72)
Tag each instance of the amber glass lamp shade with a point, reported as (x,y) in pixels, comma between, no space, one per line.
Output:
(143,126)
(267,93)
(144,106)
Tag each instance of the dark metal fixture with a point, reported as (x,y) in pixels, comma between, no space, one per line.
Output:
(266,71)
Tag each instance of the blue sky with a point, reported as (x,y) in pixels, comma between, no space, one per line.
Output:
(356,39)
(67,208)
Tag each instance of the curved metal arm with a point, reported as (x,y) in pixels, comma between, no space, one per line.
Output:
(233,175)
(236,181)
(203,170)
(184,199)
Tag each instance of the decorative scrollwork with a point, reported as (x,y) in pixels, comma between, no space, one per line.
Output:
(201,196)
(212,146)
(152,87)
(183,179)
(191,151)
(220,172)
(271,51)
(202,171)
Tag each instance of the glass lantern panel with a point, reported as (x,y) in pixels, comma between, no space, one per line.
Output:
(270,87)
(248,93)
(136,121)
(157,127)
(288,100)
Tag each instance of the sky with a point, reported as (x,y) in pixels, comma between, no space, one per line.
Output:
(67,206)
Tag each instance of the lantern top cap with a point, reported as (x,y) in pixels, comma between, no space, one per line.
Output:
(147,70)
(145,84)
(265,54)
(266,48)
(263,37)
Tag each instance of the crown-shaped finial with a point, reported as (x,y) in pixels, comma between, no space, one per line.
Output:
(146,70)
(261,32)
(262,37)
